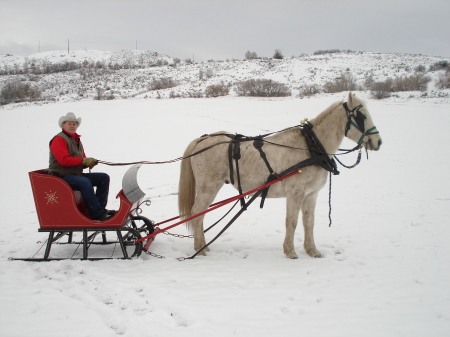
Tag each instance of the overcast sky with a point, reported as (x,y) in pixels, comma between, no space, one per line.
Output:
(226,29)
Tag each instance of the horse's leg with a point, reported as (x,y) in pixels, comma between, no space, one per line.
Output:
(308,210)
(204,198)
(293,205)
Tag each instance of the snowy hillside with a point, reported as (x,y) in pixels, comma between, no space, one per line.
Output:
(87,74)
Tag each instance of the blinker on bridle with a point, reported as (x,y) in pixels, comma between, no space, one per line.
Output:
(357,122)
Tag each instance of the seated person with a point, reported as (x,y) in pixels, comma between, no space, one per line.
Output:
(67,161)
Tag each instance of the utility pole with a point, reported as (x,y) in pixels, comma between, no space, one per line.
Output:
(39,46)
(68,52)
(136,44)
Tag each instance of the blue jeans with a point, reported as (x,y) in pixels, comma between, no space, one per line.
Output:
(95,201)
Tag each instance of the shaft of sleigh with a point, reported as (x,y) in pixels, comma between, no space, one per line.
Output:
(215,206)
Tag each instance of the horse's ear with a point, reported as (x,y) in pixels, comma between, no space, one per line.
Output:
(350,100)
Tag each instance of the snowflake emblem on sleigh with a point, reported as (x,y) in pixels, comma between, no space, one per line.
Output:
(51,198)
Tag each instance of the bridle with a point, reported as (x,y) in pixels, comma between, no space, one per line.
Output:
(357,122)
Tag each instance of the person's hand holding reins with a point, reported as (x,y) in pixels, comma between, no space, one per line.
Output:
(90,162)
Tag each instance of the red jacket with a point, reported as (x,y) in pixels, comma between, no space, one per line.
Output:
(61,152)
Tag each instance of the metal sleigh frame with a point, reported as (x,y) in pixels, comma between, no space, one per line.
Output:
(62,212)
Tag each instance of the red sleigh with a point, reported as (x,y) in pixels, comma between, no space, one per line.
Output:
(62,213)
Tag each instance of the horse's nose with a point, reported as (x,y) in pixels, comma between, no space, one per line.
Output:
(379,143)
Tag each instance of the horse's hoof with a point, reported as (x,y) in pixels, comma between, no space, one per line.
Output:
(316,255)
(203,251)
(202,246)
(313,253)
(292,255)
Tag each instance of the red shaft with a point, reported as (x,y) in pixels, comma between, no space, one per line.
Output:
(215,206)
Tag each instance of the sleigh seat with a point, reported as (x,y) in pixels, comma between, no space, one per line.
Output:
(59,206)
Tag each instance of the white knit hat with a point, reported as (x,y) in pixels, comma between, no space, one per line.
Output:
(70,117)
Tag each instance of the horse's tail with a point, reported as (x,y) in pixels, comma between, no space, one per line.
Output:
(186,186)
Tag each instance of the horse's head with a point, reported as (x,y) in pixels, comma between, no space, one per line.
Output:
(360,126)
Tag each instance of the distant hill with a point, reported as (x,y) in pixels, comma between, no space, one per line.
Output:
(90,74)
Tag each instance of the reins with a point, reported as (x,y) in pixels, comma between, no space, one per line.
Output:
(245,138)
(161,162)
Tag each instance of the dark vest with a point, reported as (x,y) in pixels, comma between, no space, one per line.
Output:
(75,150)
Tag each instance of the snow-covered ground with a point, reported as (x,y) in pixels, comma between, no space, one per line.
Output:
(385,266)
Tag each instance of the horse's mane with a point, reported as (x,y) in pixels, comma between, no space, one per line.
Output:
(320,117)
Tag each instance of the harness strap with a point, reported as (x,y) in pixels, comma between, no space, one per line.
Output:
(307,162)
(234,152)
(258,144)
(316,148)
(230,161)
(317,151)
(358,122)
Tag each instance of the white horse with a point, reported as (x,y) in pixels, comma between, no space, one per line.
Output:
(203,174)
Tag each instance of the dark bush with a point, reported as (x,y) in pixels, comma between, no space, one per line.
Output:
(278,55)
(411,83)
(216,91)
(443,82)
(162,83)
(250,55)
(439,65)
(195,94)
(329,51)
(309,90)
(345,82)
(18,92)
(420,68)
(381,90)
(262,88)
(368,81)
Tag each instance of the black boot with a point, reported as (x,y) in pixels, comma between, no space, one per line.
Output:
(102,216)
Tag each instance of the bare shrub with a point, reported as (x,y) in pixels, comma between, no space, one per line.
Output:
(250,55)
(368,82)
(381,90)
(262,88)
(14,92)
(216,91)
(443,81)
(411,83)
(162,83)
(100,92)
(328,51)
(160,63)
(439,65)
(309,90)
(345,82)
(195,94)
(278,54)
(174,94)
(420,68)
